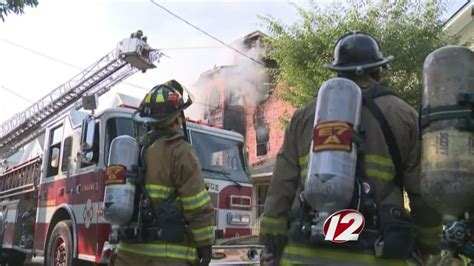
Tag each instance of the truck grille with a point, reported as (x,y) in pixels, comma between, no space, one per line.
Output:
(215,202)
(214,199)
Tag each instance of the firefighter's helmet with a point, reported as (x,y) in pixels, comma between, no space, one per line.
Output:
(162,104)
(358,52)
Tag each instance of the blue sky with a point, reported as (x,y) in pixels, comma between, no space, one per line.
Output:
(80,32)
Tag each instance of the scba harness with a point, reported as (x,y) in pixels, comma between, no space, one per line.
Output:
(388,229)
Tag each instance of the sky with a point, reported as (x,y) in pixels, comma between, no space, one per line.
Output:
(80,32)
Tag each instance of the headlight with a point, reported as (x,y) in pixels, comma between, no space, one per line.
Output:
(238,219)
(253,254)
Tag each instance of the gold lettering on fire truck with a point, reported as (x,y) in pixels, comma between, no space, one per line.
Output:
(91,187)
(212,186)
(48,203)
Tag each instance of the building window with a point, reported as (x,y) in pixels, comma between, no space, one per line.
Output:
(262,133)
(262,149)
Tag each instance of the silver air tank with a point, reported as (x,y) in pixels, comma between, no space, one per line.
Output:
(119,198)
(447,122)
(330,181)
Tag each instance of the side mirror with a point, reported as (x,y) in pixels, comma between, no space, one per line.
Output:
(88,131)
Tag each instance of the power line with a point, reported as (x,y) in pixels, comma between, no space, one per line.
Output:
(192,48)
(204,32)
(38,53)
(56,59)
(16,94)
(77,67)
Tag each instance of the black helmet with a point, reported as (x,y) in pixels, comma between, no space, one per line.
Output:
(356,52)
(162,104)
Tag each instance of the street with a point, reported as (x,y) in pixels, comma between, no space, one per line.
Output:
(34,261)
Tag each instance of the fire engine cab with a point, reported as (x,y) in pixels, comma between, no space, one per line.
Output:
(53,156)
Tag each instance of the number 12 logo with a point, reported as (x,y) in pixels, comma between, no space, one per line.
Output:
(343,226)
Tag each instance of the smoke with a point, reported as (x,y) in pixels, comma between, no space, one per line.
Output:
(239,83)
(246,80)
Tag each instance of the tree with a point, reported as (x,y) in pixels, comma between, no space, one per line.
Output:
(408,30)
(15,6)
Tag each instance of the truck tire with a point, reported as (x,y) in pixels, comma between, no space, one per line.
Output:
(59,246)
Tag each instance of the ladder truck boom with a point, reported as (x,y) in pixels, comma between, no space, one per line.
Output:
(131,55)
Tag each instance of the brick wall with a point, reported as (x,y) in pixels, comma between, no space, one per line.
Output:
(273,109)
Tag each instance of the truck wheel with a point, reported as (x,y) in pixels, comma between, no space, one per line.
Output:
(59,251)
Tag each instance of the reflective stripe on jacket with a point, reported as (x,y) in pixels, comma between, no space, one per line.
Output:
(160,249)
(291,169)
(297,254)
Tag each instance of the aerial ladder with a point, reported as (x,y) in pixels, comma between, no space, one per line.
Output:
(131,55)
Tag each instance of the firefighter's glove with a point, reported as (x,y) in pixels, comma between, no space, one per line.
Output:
(204,255)
(274,246)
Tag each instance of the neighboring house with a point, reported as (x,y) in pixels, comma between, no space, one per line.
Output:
(240,97)
(461,23)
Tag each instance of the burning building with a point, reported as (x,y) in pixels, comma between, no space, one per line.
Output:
(242,97)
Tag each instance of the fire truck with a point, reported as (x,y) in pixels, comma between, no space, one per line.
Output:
(54,158)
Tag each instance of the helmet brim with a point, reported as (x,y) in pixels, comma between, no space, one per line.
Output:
(355,68)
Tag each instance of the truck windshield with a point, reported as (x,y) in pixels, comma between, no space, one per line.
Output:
(220,158)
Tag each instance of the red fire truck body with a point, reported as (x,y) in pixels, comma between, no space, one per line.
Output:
(65,185)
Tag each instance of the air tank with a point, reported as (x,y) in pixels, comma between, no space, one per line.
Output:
(447,121)
(119,196)
(330,180)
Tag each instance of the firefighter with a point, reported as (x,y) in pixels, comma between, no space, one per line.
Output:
(357,57)
(172,167)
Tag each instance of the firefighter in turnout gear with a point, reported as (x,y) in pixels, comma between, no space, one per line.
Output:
(172,176)
(388,161)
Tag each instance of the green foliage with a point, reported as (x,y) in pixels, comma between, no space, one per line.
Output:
(15,6)
(408,30)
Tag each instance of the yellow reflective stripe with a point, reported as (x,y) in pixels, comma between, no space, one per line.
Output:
(202,234)
(429,236)
(465,260)
(386,176)
(148,98)
(304,172)
(428,242)
(378,159)
(430,230)
(160,98)
(273,226)
(298,254)
(196,201)
(159,191)
(160,250)
(304,160)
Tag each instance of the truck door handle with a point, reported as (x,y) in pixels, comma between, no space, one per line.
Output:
(78,188)
(43,195)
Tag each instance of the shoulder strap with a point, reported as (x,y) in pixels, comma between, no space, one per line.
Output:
(368,99)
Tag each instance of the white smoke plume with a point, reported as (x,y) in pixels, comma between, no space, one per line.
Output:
(243,80)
